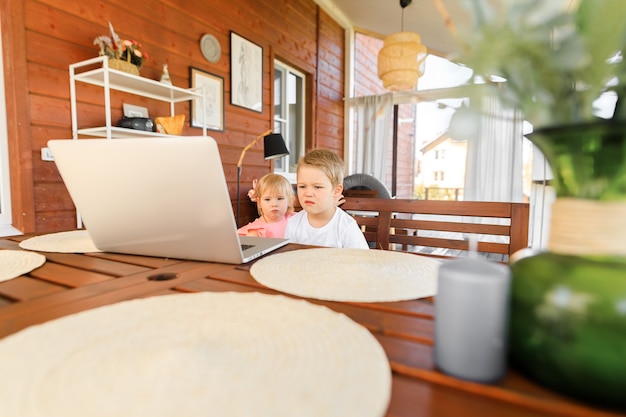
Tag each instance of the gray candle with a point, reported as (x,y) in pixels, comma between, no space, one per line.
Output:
(471,314)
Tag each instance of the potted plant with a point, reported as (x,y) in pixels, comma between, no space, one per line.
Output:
(568,303)
(123,54)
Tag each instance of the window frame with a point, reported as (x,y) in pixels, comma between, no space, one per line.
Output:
(283,123)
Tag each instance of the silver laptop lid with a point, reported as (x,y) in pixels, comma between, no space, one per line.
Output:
(163,197)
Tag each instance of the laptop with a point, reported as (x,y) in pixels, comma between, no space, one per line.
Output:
(164,197)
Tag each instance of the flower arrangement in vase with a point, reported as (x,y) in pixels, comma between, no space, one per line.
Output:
(125,55)
(559,60)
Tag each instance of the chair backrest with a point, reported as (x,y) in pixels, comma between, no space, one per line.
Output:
(364,182)
(442,228)
(360,193)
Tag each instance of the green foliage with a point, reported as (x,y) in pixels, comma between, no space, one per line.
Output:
(556,62)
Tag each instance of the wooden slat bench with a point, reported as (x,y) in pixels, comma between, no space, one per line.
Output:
(442,228)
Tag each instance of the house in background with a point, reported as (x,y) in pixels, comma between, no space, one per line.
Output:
(441,173)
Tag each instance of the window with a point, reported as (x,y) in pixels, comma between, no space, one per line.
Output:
(440,154)
(439,176)
(289,116)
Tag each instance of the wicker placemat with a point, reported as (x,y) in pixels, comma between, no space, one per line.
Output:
(219,354)
(75,241)
(349,274)
(14,263)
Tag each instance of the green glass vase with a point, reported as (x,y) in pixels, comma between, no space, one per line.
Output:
(568,304)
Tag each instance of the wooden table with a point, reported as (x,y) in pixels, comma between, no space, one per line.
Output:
(69,283)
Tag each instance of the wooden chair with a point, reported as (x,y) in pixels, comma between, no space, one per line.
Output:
(356,193)
(442,228)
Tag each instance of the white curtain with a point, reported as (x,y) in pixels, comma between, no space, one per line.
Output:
(494,165)
(493,170)
(372,127)
(542,196)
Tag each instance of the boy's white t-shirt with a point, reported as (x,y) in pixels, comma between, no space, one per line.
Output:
(342,231)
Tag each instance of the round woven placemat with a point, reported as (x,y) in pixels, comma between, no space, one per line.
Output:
(75,241)
(14,263)
(221,354)
(341,274)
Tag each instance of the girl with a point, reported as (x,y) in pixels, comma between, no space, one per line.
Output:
(274,197)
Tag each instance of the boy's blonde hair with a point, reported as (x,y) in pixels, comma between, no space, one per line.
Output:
(327,161)
(274,183)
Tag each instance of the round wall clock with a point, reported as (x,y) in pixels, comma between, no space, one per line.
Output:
(210,48)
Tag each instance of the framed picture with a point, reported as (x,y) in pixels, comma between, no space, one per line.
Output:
(213,115)
(134,111)
(246,73)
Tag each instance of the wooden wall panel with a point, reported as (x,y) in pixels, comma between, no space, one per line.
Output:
(16,96)
(330,84)
(41,38)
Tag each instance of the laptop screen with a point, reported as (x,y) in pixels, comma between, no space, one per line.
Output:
(165,197)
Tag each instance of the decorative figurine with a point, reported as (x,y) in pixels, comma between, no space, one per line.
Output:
(165,77)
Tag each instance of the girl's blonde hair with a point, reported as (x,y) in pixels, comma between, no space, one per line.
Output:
(274,183)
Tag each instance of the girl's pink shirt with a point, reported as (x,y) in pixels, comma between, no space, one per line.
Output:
(264,229)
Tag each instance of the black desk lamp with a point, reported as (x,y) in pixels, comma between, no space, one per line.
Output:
(273,146)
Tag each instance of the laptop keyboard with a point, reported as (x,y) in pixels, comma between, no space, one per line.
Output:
(244,247)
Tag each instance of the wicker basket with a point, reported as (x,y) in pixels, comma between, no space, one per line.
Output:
(122,65)
(170,125)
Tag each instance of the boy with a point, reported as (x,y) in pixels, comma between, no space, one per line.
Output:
(321,223)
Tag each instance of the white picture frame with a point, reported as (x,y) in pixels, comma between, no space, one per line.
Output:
(131,110)
(213,86)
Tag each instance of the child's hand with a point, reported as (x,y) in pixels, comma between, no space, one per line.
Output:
(252,193)
(340,200)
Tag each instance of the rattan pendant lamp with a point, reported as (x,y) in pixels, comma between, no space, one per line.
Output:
(402,58)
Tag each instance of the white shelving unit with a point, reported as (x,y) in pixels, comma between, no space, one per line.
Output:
(110,79)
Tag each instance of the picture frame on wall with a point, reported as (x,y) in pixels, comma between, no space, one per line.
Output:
(246,73)
(213,114)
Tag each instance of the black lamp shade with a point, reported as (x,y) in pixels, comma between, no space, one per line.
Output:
(274,146)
